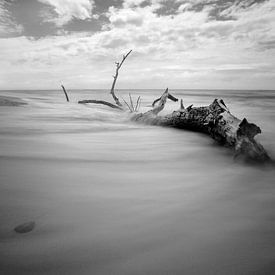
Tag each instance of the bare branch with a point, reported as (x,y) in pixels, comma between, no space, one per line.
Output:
(131,101)
(181,105)
(100,102)
(136,108)
(64,90)
(161,104)
(118,66)
(172,98)
(138,105)
(127,104)
(169,96)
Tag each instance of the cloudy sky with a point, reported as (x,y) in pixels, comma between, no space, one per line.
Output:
(206,44)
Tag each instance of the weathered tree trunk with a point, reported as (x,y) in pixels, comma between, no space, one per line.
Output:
(214,120)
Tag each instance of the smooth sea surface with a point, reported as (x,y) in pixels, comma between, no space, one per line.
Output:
(110,196)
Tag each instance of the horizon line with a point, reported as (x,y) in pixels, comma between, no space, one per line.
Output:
(194,89)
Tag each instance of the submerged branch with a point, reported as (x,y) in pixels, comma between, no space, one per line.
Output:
(100,102)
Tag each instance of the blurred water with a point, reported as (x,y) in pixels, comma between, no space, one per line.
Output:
(113,197)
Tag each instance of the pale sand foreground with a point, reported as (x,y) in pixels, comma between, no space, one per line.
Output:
(88,223)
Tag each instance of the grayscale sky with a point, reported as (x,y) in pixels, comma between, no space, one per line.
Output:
(207,44)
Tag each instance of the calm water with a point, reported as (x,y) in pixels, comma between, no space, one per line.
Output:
(112,197)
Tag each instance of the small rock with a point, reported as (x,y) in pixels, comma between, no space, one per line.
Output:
(25,227)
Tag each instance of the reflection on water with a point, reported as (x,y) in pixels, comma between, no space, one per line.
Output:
(112,197)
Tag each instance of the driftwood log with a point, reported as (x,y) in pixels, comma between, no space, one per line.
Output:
(214,120)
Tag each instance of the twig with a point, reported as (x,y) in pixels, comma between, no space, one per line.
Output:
(136,108)
(139,104)
(127,104)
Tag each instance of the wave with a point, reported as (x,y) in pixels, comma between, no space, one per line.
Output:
(11,101)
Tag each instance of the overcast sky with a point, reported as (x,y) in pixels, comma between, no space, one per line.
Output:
(206,44)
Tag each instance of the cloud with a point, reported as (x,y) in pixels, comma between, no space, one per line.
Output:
(133,3)
(8,26)
(188,48)
(66,10)
(248,23)
(120,17)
